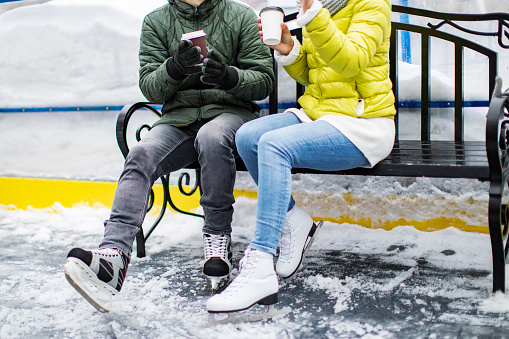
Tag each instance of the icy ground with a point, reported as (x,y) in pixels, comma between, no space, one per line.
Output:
(357,283)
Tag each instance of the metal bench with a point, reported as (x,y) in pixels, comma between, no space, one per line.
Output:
(458,158)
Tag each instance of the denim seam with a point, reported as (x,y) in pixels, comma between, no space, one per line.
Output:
(147,193)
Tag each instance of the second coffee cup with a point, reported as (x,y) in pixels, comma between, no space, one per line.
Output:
(272,17)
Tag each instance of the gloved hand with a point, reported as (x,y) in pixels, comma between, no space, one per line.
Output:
(184,61)
(217,73)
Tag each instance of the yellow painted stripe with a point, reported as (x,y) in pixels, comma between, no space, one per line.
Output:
(23,193)
(429,225)
(41,193)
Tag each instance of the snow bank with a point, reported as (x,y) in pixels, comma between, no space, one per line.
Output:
(70,53)
(85,52)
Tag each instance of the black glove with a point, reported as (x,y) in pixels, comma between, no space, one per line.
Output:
(184,61)
(217,73)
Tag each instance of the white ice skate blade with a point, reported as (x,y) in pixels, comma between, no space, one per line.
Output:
(234,318)
(95,291)
(218,282)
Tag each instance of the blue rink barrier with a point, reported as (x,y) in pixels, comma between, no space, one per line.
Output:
(282,105)
(62,109)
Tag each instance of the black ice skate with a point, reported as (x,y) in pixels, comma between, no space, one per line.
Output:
(218,259)
(97,275)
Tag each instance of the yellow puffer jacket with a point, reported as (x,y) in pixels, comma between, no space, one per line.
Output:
(345,58)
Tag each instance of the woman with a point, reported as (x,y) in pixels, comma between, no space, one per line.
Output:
(346,121)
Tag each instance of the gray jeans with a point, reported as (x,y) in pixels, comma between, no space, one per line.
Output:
(165,149)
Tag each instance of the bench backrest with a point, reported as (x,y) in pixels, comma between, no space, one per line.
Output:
(426,34)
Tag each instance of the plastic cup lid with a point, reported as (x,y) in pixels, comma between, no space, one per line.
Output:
(272,8)
(193,35)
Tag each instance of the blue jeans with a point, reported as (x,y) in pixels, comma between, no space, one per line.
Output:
(165,149)
(270,146)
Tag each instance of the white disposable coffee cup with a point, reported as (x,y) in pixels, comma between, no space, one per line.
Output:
(272,17)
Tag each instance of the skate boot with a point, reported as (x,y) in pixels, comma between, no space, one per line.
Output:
(218,259)
(257,283)
(298,234)
(97,275)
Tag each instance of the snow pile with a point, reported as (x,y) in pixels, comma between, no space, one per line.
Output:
(66,53)
(79,53)
(410,82)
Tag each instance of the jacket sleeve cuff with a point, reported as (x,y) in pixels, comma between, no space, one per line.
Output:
(304,18)
(231,79)
(285,60)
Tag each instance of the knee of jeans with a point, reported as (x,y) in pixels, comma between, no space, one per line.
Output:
(271,143)
(138,157)
(209,140)
(246,139)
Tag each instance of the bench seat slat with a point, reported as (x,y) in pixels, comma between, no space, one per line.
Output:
(437,159)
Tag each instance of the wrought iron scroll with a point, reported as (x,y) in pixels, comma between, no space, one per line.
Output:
(196,186)
(452,20)
(187,177)
(504,154)
(500,33)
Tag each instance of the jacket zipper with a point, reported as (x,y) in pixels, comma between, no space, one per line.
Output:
(196,26)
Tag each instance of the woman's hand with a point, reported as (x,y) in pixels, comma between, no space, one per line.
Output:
(286,44)
(306,4)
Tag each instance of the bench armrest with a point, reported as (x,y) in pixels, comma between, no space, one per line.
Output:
(123,120)
(497,133)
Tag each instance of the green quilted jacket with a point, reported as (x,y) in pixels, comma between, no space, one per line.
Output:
(232,30)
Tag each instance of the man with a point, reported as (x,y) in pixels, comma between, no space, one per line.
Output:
(203,106)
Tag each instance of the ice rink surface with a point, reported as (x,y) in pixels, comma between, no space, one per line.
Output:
(356,283)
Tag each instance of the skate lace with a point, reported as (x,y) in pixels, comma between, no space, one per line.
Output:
(215,246)
(285,250)
(107,252)
(246,265)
